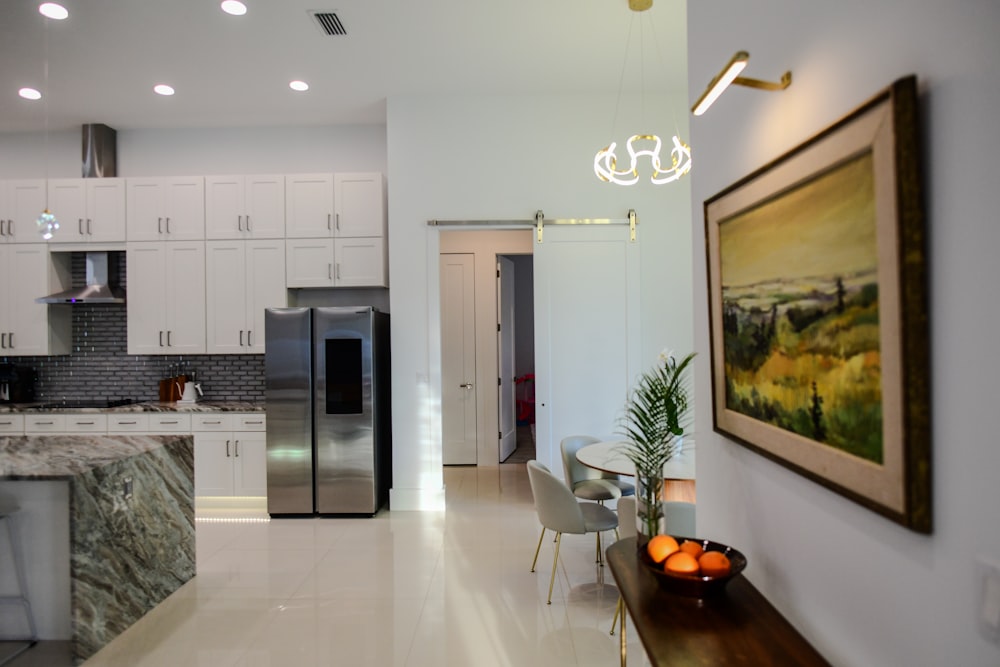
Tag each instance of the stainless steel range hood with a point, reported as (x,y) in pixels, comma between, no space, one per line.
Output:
(100,159)
(102,283)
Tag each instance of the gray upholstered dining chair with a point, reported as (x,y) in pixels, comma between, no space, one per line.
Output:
(588,483)
(558,510)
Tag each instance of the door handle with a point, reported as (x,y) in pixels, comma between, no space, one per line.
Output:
(466,385)
(227,449)
(169,344)
(168,225)
(237,448)
(89,233)
(239,222)
(10,340)
(79,226)
(159,225)
(338,270)
(249,338)
(3,341)
(2,232)
(241,337)
(328,216)
(329,271)
(248,223)
(161,339)
(338,222)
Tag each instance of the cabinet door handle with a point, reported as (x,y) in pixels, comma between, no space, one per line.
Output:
(79,226)
(338,270)
(168,225)
(248,223)
(215,422)
(239,222)
(258,421)
(84,423)
(227,449)
(2,232)
(161,339)
(338,222)
(44,423)
(329,271)
(237,448)
(249,338)
(169,344)
(10,340)
(131,423)
(89,233)
(328,216)
(241,337)
(10,228)
(3,341)
(159,225)
(6,423)
(168,422)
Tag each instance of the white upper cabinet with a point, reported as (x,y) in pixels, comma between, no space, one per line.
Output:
(165,209)
(28,328)
(309,206)
(243,279)
(245,207)
(166,297)
(89,210)
(335,262)
(359,204)
(21,202)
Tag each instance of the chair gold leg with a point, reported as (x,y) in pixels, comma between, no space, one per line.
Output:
(555,562)
(618,610)
(621,639)
(537,549)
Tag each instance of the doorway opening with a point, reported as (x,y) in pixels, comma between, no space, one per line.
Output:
(487,346)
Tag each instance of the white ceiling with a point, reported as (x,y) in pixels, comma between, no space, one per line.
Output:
(234,71)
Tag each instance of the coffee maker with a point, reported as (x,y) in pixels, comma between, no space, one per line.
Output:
(17,384)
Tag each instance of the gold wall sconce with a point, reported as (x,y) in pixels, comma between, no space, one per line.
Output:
(730,74)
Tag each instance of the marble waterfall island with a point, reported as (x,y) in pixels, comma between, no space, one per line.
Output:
(107,527)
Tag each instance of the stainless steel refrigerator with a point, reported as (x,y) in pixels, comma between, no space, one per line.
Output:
(328,414)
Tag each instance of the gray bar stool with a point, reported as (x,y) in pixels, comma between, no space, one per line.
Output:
(7,511)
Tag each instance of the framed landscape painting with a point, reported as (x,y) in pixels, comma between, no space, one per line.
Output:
(818,310)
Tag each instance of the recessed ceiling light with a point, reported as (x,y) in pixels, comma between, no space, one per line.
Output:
(29,94)
(234,7)
(299,85)
(53,10)
(163,89)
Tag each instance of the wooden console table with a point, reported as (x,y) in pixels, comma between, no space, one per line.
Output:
(739,627)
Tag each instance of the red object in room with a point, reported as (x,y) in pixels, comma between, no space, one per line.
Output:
(525,387)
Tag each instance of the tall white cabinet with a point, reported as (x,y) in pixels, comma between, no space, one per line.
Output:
(335,227)
(243,278)
(166,297)
(28,328)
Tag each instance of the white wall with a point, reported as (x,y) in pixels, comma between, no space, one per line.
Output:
(864,590)
(462,157)
(182,152)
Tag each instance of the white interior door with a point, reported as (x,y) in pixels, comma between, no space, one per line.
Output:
(586,332)
(505,356)
(458,359)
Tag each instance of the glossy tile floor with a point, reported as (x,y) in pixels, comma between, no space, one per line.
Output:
(403,588)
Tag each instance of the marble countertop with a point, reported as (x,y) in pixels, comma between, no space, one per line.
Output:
(149,406)
(57,457)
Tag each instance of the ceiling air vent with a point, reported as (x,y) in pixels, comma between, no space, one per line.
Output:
(329,23)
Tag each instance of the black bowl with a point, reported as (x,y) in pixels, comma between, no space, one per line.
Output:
(695,585)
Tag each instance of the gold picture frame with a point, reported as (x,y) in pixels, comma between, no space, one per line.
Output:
(818,310)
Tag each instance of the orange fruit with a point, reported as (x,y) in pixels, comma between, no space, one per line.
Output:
(692,547)
(681,562)
(714,564)
(661,546)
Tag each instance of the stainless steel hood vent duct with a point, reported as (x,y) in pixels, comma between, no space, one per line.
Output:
(102,283)
(100,151)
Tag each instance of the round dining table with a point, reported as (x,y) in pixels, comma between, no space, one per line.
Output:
(609,456)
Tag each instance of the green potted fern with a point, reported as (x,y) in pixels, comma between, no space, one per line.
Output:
(656,415)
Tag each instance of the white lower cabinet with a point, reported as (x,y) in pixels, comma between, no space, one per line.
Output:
(230,457)
(59,422)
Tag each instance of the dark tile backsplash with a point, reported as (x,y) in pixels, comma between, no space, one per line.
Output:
(98,366)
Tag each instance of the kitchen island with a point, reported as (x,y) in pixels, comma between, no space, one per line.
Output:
(107,527)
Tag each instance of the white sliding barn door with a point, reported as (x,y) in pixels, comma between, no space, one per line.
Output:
(587,332)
